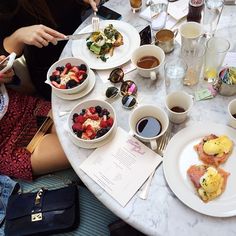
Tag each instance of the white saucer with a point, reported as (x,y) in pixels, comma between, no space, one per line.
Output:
(82,93)
(94,145)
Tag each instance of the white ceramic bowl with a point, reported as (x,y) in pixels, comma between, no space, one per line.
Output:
(74,62)
(83,105)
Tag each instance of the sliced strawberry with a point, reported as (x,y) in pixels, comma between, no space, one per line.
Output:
(74,77)
(81,72)
(110,122)
(75,69)
(68,66)
(92,110)
(85,136)
(103,123)
(64,71)
(62,86)
(55,84)
(77,127)
(94,117)
(90,133)
(80,119)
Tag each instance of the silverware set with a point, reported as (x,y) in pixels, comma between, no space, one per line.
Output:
(162,143)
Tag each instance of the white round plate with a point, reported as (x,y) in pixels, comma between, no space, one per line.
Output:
(180,155)
(94,145)
(121,54)
(80,94)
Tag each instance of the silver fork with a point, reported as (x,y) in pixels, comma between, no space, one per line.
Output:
(160,150)
(95,22)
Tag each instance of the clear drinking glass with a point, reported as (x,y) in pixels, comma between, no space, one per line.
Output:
(194,59)
(136,5)
(158,11)
(175,71)
(216,49)
(212,13)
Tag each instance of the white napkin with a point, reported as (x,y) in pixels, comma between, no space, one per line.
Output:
(170,21)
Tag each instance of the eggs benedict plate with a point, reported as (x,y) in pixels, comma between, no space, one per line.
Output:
(214,150)
(191,179)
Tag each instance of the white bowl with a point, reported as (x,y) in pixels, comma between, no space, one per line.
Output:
(62,62)
(83,105)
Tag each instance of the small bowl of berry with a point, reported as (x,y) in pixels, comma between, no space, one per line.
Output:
(68,75)
(91,121)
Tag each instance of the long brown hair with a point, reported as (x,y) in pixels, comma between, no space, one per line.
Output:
(39,9)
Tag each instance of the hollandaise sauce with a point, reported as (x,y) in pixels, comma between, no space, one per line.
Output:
(218,146)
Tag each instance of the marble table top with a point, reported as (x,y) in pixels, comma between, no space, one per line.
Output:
(162,213)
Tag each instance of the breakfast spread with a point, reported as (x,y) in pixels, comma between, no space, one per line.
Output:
(104,42)
(92,123)
(68,76)
(214,150)
(210,182)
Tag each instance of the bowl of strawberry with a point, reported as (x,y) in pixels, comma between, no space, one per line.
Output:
(68,75)
(91,121)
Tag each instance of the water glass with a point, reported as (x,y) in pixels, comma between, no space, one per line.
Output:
(158,11)
(216,49)
(136,5)
(175,71)
(212,13)
(194,59)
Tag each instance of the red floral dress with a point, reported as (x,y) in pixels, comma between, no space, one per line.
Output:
(17,128)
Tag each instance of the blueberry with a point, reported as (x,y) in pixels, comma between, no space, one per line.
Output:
(101,132)
(53,78)
(79,133)
(105,112)
(58,79)
(71,84)
(74,116)
(81,81)
(60,68)
(98,109)
(84,76)
(83,67)
(82,112)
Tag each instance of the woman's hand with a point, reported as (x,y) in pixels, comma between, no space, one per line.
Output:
(38,35)
(7,76)
(93,4)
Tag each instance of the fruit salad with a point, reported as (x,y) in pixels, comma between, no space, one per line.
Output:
(68,76)
(92,123)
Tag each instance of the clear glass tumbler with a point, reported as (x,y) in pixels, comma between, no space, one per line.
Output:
(216,49)
(175,71)
(212,13)
(158,11)
(194,59)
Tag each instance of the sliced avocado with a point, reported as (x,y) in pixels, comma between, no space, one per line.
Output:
(96,49)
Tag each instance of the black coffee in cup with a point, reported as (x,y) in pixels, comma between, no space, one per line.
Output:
(148,127)
(177,109)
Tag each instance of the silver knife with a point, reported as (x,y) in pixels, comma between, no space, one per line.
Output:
(76,36)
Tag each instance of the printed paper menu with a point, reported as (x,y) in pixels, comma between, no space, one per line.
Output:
(121,166)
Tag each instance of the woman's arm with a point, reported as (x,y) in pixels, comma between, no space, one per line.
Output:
(93,3)
(37,35)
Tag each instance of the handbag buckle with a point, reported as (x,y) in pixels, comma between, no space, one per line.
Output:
(36,217)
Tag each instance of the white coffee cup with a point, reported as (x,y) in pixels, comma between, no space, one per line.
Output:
(144,111)
(177,101)
(148,50)
(231,112)
(190,34)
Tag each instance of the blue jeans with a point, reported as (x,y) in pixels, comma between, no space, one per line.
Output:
(7,186)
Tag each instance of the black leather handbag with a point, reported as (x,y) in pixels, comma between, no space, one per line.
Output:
(43,212)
